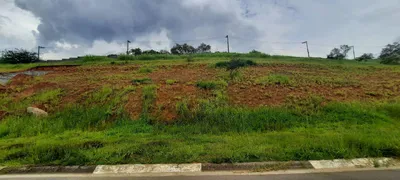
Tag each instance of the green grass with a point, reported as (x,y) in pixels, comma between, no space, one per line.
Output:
(170,81)
(98,130)
(145,70)
(274,79)
(82,135)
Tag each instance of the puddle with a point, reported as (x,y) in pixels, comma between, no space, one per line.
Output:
(5,77)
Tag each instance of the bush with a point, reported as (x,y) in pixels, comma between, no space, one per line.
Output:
(208,85)
(235,63)
(18,56)
(365,57)
(393,59)
(145,70)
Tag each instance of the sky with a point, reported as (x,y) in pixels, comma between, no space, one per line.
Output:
(69,28)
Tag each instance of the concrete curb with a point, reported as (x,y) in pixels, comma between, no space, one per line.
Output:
(209,167)
(147,168)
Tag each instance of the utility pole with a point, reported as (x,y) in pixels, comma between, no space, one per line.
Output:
(127,47)
(354,54)
(227,42)
(38,51)
(308,51)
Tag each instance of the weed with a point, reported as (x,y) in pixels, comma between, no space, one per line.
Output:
(170,81)
(141,81)
(149,97)
(145,70)
(209,85)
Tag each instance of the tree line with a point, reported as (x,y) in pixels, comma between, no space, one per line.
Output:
(177,49)
(390,54)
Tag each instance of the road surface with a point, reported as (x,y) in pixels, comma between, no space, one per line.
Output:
(354,175)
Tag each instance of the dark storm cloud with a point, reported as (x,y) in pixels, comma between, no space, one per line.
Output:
(83,21)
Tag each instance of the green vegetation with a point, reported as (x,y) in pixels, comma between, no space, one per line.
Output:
(209,85)
(145,70)
(274,79)
(207,133)
(170,81)
(98,128)
(142,81)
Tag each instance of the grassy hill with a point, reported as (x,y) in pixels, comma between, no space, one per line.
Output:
(177,109)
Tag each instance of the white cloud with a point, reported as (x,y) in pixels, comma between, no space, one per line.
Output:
(281,25)
(16,27)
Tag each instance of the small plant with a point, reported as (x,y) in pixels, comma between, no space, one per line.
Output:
(145,70)
(170,81)
(112,62)
(274,79)
(233,65)
(209,85)
(141,81)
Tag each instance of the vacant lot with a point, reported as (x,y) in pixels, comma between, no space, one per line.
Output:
(161,111)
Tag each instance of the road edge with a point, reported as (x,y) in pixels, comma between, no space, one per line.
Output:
(251,167)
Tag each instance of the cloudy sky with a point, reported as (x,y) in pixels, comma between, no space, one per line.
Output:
(78,27)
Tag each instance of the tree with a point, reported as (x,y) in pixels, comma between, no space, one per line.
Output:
(393,59)
(203,48)
(136,51)
(233,65)
(390,50)
(365,57)
(390,54)
(339,53)
(151,51)
(17,56)
(183,49)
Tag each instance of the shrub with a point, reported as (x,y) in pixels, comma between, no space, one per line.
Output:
(208,85)
(145,70)
(393,59)
(235,63)
(17,56)
(365,57)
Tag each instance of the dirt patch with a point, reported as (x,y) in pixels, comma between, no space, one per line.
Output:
(20,80)
(169,95)
(184,73)
(29,91)
(3,89)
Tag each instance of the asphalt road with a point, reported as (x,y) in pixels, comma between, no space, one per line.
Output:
(355,175)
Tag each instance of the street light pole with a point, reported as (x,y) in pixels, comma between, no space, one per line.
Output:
(308,51)
(227,42)
(354,54)
(127,47)
(38,51)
